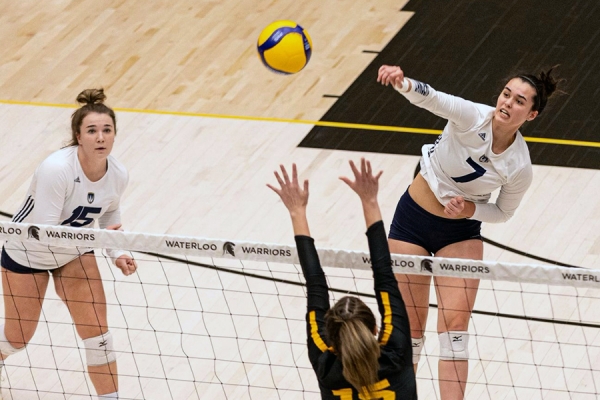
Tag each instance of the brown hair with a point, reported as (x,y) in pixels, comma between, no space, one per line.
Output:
(93,101)
(350,326)
(544,84)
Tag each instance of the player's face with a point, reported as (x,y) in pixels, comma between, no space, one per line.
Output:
(96,135)
(514,103)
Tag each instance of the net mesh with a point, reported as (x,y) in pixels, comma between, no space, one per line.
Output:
(218,319)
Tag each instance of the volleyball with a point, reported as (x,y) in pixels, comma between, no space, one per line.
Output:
(284,47)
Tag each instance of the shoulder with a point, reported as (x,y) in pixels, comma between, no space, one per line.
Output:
(118,172)
(117,168)
(520,159)
(61,162)
(486,112)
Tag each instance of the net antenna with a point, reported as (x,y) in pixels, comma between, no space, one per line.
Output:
(222,319)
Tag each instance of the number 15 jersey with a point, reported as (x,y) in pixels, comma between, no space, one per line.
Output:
(61,194)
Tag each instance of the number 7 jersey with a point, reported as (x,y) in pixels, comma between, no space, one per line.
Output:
(461,161)
(61,194)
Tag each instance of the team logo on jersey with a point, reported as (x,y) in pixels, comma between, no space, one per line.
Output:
(77,180)
(421,88)
(90,197)
(33,232)
(483,158)
(228,248)
(482,135)
(426,265)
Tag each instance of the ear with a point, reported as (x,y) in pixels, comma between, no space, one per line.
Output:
(532,115)
(79,138)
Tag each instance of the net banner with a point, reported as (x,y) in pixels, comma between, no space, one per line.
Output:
(268,252)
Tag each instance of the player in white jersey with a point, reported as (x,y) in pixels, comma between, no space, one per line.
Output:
(74,186)
(479,151)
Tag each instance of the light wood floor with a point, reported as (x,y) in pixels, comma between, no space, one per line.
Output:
(205,175)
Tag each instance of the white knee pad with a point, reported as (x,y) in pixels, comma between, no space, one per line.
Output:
(99,350)
(5,347)
(417,348)
(454,345)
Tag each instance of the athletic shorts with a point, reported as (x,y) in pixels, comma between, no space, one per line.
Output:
(14,266)
(414,225)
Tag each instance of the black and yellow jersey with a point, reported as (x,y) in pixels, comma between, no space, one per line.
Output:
(396,375)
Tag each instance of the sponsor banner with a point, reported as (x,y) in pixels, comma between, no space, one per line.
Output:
(268,252)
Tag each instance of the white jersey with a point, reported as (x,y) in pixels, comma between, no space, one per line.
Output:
(61,194)
(461,161)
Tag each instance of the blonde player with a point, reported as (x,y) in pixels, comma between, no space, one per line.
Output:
(479,151)
(351,358)
(74,186)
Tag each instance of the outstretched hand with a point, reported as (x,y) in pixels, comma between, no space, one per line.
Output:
(365,184)
(391,74)
(294,197)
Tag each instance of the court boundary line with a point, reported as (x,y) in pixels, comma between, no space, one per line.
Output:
(328,124)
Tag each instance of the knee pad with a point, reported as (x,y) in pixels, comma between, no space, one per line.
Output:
(417,348)
(99,350)
(454,345)
(5,347)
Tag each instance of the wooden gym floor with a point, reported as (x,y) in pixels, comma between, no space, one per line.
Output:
(202,124)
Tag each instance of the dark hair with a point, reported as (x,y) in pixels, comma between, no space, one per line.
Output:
(350,326)
(93,101)
(544,84)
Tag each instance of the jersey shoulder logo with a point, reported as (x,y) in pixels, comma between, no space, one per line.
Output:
(90,197)
(482,135)
(421,88)
(77,180)
(483,158)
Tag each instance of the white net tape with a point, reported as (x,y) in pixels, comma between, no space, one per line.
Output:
(267,252)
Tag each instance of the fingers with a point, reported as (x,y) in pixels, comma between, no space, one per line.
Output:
(455,206)
(286,177)
(390,74)
(114,227)
(127,265)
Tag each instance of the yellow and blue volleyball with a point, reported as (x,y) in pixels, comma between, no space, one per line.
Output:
(284,47)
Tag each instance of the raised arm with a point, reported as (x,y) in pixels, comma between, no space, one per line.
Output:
(295,199)
(394,327)
(366,186)
(462,113)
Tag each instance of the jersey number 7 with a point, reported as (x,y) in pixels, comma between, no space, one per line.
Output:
(479,171)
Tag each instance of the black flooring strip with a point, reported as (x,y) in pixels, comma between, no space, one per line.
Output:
(469,48)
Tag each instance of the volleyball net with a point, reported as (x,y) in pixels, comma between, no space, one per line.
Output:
(218,319)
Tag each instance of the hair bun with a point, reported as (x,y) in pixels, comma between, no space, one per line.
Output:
(548,81)
(91,96)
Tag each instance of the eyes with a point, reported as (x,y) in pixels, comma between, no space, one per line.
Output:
(107,130)
(506,95)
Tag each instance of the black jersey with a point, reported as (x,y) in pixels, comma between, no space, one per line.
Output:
(396,374)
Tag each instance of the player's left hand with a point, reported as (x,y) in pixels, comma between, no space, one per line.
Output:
(455,207)
(390,75)
(126,264)
(365,184)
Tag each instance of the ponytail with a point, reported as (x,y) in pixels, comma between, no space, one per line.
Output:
(545,84)
(350,325)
